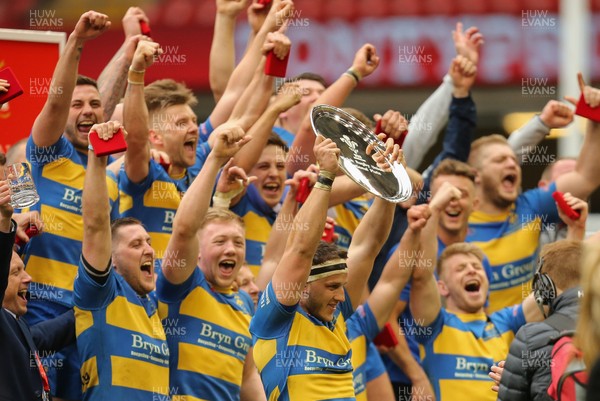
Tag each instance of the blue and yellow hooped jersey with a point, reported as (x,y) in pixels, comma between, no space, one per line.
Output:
(258,218)
(458,351)
(153,201)
(362,329)
(300,357)
(208,336)
(510,241)
(347,217)
(122,346)
(52,258)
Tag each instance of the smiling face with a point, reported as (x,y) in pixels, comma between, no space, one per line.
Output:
(271,174)
(15,296)
(323,296)
(499,175)
(133,257)
(86,110)
(175,131)
(463,283)
(222,252)
(455,217)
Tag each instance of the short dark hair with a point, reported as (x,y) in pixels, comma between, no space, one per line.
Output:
(84,80)
(454,167)
(327,251)
(123,222)
(309,76)
(275,139)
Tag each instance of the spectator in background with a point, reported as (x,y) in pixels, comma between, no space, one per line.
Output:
(527,370)
(17,153)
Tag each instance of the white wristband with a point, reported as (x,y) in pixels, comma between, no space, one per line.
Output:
(223,199)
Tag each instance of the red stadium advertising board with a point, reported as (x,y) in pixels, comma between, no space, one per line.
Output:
(32,56)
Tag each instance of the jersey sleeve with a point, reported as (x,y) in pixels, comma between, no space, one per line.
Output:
(364,321)
(89,292)
(511,318)
(433,330)
(539,201)
(204,130)
(42,155)
(272,319)
(172,293)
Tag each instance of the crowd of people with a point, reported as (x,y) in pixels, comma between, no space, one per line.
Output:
(192,267)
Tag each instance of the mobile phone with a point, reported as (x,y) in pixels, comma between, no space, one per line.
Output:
(275,66)
(303,190)
(564,206)
(30,231)
(15,88)
(584,110)
(145,27)
(398,141)
(386,337)
(328,234)
(115,144)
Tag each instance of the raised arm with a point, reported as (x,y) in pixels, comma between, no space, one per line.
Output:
(425,301)
(96,247)
(367,240)
(288,96)
(135,113)
(554,115)
(575,228)
(365,62)
(255,97)
(111,82)
(181,254)
(244,71)
(586,177)
(7,235)
(294,267)
(432,115)
(50,123)
(397,270)
(280,231)
(222,49)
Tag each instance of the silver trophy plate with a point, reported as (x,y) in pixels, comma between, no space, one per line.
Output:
(352,137)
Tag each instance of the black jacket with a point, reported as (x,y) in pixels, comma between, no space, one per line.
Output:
(19,375)
(527,372)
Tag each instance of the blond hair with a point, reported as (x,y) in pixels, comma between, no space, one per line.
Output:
(459,248)
(481,143)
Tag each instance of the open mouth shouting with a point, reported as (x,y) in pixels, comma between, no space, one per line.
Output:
(84,126)
(190,145)
(226,267)
(147,268)
(271,188)
(472,287)
(509,181)
(23,294)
